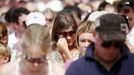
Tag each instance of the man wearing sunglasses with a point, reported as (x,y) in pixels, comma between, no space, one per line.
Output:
(108,55)
(35,58)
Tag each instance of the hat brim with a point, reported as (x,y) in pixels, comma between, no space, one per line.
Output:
(112,35)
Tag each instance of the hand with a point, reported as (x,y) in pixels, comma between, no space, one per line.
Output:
(62,46)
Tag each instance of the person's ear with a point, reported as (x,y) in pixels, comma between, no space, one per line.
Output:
(6,59)
(94,35)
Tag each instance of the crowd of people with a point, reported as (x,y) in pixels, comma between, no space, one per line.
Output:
(66,37)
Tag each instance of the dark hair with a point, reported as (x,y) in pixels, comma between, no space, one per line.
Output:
(124,5)
(69,9)
(103,5)
(62,21)
(13,14)
(8,15)
(18,12)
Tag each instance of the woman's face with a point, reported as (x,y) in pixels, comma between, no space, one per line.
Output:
(68,34)
(84,40)
(35,59)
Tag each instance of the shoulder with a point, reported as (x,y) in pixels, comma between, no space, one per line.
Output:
(131,56)
(76,67)
(57,68)
(8,69)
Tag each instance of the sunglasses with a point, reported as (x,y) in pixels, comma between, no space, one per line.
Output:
(70,33)
(35,60)
(107,44)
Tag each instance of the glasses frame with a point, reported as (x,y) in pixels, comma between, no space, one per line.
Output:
(65,34)
(35,60)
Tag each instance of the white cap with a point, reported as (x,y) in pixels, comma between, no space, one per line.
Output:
(35,18)
(96,14)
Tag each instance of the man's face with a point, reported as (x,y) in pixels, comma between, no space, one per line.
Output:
(129,13)
(105,54)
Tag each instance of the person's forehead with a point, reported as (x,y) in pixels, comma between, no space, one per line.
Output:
(85,35)
(35,52)
(70,28)
(22,17)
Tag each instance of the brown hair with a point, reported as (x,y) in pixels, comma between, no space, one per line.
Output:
(3,30)
(62,21)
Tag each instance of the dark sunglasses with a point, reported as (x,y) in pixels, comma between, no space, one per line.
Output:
(70,33)
(117,44)
(35,60)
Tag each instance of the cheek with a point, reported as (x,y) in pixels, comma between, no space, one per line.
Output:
(81,44)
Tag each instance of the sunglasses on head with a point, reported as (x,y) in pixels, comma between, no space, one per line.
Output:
(117,44)
(69,33)
(35,60)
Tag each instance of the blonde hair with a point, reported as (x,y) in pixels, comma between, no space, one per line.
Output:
(36,35)
(4,50)
(84,27)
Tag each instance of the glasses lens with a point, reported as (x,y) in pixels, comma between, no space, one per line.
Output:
(33,60)
(70,33)
(106,44)
(117,44)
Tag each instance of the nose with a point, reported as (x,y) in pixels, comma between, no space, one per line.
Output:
(68,37)
(36,64)
(87,43)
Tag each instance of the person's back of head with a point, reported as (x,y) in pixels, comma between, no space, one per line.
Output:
(103,6)
(75,9)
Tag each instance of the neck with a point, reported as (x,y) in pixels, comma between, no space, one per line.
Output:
(72,47)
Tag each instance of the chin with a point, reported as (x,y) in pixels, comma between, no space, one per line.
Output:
(35,69)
